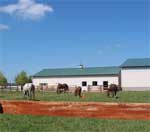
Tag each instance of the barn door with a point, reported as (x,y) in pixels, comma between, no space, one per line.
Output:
(105,85)
(84,86)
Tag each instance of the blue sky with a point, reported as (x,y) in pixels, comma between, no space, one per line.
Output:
(39,34)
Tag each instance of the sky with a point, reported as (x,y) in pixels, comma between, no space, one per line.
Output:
(38,34)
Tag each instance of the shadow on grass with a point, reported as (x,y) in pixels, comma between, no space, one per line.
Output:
(117,97)
(146,96)
(33,99)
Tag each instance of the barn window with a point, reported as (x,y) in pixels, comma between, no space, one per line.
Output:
(94,83)
(43,84)
(84,83)
(105,83)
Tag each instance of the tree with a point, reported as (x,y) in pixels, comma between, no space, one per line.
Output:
(3,80)
(21,78)
(29,79)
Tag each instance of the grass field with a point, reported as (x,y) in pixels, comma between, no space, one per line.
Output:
(141,97)
(26,123)
(17,123)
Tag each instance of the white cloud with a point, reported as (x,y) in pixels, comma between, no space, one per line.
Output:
(27,9)
(3,27)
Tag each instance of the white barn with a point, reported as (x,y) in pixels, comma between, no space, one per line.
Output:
(84,77)
(133,74)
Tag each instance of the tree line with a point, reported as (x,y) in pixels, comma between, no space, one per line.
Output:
(20,79)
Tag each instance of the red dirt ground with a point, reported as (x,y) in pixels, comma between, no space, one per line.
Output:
(136,111)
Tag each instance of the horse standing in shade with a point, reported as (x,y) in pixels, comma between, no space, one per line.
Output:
(78,91)
(62,88)
(29,90)
(113,89)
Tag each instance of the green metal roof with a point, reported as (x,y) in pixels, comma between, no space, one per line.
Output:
(78,72)
(141,62)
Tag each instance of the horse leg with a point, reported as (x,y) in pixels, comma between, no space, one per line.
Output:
(116,93)
(57,91)
(80,93)
(75,93)
(113,93)
(30,94)
(33,94)
(64,90)
(60,91)
(24,94)
(108,94)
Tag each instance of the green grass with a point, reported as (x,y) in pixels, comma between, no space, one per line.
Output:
(142,97)
(24,123)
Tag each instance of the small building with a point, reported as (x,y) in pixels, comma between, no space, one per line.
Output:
(133,74)
(84,77)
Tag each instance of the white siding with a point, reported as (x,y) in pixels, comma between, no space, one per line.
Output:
(76,80)
(135,79)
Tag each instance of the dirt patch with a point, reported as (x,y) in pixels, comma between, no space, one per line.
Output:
(140,111)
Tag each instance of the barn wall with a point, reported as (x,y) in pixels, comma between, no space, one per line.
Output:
(76,80)
(135,79)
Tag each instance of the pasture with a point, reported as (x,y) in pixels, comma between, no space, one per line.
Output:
(134,96)
(24,123)
(17,123)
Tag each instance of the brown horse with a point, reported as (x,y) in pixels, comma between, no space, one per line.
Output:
(78,91)
(113,89)
(62,88)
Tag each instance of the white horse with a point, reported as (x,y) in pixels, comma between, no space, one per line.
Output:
(29,90)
